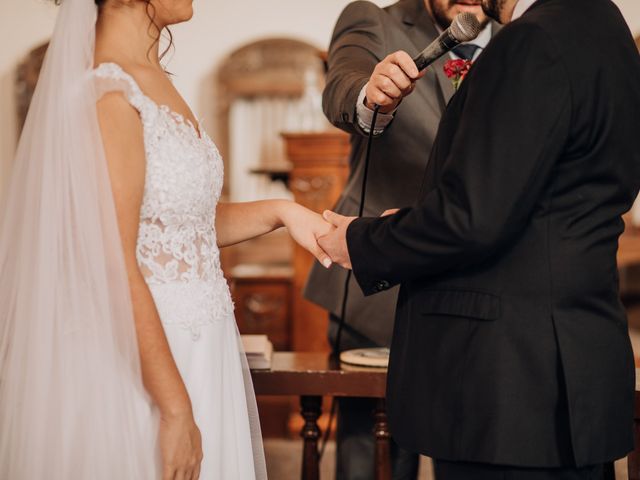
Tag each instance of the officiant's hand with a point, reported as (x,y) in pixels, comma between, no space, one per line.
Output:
(335,243)
(392,79)
(306,227)
(391,211)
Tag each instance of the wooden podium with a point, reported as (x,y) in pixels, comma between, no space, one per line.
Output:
(320,170)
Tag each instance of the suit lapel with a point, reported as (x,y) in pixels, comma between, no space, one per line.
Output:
(422,31)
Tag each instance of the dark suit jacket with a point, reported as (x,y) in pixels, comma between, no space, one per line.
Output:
(511,344)
(363,36)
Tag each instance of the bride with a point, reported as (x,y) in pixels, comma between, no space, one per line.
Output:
(119,352)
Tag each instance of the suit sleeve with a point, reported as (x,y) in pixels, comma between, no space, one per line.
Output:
(357,45)
(512,129)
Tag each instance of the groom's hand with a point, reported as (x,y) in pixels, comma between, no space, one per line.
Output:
(335,243)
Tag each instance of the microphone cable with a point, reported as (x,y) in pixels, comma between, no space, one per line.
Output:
(345,296)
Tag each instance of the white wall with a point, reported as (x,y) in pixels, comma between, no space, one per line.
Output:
(23,25)
(631,11)
(217,28)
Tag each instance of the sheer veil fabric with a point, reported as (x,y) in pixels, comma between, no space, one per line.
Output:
(72,403)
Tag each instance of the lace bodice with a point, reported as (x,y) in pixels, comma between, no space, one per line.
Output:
(177,250)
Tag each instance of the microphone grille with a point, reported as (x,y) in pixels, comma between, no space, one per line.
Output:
(465,27)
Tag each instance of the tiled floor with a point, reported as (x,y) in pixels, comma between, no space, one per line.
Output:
(284,462)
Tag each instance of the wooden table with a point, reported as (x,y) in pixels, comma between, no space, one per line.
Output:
(310,376)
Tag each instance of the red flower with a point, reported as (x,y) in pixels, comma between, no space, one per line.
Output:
(456,70)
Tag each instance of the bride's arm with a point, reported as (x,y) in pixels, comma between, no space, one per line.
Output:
(237,222)
(124,148)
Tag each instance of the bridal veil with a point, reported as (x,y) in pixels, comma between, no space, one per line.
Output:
(72,403)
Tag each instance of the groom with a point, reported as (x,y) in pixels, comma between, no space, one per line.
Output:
(510,356)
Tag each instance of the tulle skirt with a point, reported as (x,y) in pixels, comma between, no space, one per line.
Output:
(213,367)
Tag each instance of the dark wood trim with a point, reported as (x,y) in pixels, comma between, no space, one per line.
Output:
(311,376)
(310,408)
(383,447)
(316,374)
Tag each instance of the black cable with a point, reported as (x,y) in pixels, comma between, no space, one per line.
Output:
(363,196)
(343,308)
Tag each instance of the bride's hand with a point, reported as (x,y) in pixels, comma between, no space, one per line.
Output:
(306,227)
(180,447)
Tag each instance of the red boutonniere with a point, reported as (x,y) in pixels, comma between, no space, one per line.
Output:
(456,70)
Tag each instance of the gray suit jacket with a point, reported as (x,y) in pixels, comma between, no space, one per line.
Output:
(363,36)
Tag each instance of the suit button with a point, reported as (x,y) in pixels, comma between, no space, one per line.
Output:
(381,285)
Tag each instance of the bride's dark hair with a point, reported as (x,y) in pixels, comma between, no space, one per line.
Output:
(151,14)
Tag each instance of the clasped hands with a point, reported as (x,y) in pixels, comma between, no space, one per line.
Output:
(326,237)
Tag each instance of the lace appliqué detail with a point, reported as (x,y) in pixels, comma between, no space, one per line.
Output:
(193,305)
(177,249)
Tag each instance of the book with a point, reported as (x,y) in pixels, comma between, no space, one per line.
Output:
(259,351)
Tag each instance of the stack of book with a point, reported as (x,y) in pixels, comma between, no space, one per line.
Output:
(259,351)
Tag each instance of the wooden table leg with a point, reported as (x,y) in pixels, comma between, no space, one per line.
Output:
(311,408)
(383,449)
(634,457)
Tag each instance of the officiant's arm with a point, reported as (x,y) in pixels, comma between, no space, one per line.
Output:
(492,178)
(357,45)
(238,222)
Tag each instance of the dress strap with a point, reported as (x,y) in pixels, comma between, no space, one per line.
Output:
(110,77)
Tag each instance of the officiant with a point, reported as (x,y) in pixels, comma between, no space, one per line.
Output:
(370,62)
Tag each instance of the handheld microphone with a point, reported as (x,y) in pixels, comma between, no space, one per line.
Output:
(464,28)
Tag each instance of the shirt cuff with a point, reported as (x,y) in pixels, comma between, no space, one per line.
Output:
(365,115)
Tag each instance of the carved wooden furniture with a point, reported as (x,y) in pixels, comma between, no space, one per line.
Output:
(311,376)
(262,297)
(317,177)
(271,69)
(27,75)
(320,170)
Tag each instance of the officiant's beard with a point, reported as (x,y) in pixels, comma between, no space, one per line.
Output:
(492,8)
(444,11)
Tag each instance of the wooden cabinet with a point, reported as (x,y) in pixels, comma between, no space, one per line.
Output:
(262,297)
(319,174)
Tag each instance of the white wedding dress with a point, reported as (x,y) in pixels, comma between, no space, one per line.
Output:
(178,255)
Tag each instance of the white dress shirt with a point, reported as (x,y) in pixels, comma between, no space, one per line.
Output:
(364,114)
